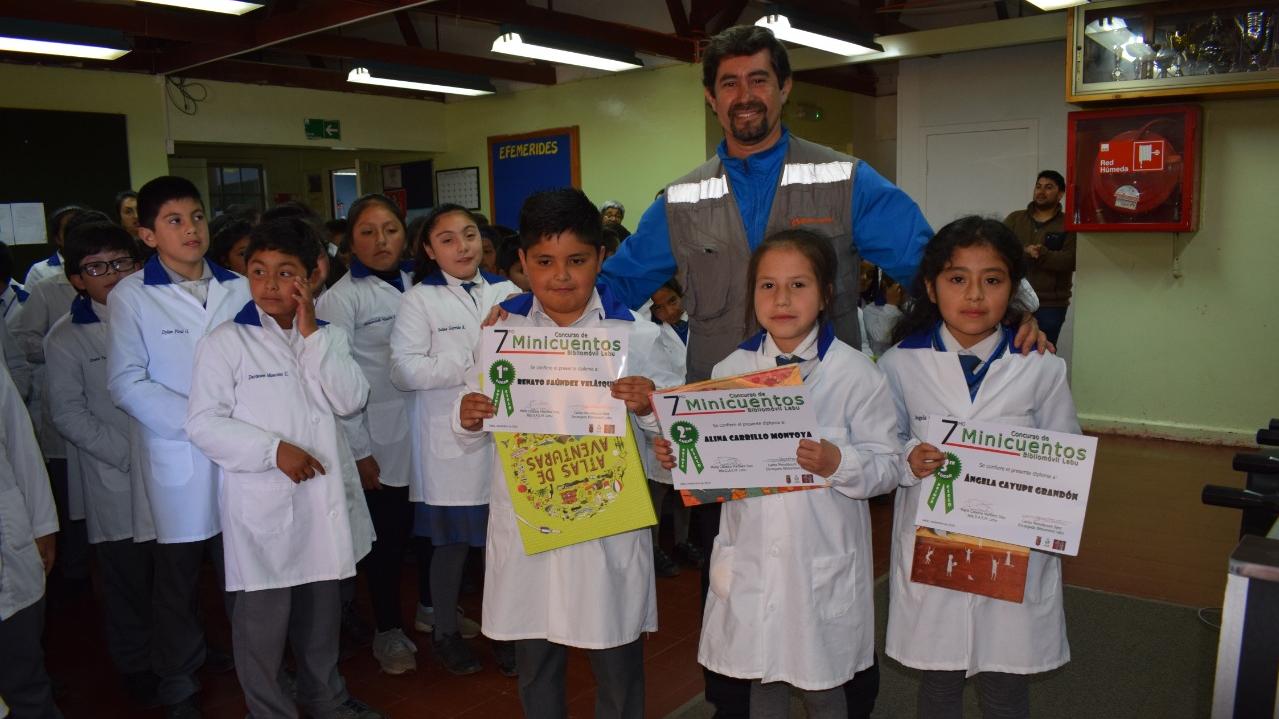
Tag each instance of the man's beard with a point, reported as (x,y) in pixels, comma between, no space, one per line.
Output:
(751,133)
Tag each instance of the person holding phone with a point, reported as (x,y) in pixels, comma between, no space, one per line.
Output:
(1050,250)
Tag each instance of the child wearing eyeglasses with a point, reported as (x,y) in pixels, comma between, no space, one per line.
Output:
(96,257)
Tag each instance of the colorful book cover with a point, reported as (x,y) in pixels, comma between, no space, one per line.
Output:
(970,564)
(785,376)
(568,489)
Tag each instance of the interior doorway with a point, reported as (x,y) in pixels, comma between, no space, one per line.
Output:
(345,186)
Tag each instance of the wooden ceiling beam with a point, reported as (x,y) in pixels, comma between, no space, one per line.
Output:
(138,20)
(281,28)
(360,49)
(638,39)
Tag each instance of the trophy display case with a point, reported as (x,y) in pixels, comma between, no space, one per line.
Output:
(1126,49)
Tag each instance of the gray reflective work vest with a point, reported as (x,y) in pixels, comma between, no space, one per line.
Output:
(710,247)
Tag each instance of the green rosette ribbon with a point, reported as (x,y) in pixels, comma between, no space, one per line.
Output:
(684,435)
(502,374)
(945,481)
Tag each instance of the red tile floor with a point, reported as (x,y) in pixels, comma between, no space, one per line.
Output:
(87,686)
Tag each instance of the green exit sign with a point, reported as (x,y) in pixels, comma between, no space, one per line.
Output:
(323,129)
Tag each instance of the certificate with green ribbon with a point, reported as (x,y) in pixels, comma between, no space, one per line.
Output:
(1018,485)
(554,380)
(737,438)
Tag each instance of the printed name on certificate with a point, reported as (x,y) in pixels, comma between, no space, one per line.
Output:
(554,380)
(1018,485)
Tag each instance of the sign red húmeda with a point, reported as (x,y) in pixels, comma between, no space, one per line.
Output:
(1123,156)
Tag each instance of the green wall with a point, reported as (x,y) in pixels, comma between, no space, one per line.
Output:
(1190,356)
(637,131)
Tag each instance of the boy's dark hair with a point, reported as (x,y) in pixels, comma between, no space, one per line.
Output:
(337,227)
(292,208)
(611,239)
(6,266)
(423,265)
(120,197)
(242,211)
(551,212)
(55,221)
(673,285)
(1055,177)
(617,228)
(743,40)
(224,239)
(90,238)
(83,217)
(971,231)
(286,235)
(508,256)
(818,251)
(166,188)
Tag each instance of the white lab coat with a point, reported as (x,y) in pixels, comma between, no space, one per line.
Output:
(13,295)
(80,406)
(791,575)
(49,300)
(674,356)
(364,306)
(153,329)
(48,267)
(432,351)
(941,629)
(878,322)
(594,595)
(255,386)
(15,360)
(26,506)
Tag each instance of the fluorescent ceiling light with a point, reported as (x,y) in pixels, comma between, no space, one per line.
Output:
(1049,5)
(411,79)
(229,7)
(789,26)
(48,38)
(542,46)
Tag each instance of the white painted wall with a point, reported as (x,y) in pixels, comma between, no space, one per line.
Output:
(1001,88)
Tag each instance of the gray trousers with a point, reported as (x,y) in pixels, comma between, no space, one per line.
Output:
(772,701)
(619,678)
(126,568)
(308,616)
(24,684)
(178,648)
(1003,696)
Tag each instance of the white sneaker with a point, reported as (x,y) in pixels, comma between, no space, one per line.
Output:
(394,652)
(425,622)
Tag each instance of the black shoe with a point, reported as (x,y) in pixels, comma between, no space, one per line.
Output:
(353,708)
(665,566)
(354,629)
(218,661)
(188,708)
(690,554)
(456,655)
(504,653)
(141,688)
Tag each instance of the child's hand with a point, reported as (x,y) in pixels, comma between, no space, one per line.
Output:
(304,315)
(474,410)
(370,473)
(296,463)
(924,459)
(665,453)
(497,314)
(821,458)
(47,546)
(634,391)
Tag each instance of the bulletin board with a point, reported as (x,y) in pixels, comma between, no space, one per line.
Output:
(520,165)
(460,186)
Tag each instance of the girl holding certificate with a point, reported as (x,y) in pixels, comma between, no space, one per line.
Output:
(432,345)
(790,576)
(955,357)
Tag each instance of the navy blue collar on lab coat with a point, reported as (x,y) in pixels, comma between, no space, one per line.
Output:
(153,273)
(614,309)
(825,338)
